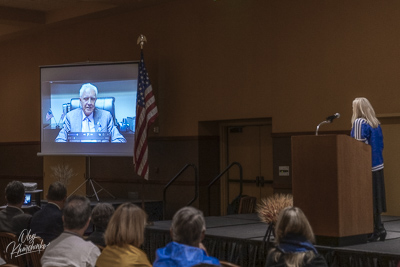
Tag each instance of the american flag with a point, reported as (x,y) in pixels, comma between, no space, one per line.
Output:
(146,113)
(49,115)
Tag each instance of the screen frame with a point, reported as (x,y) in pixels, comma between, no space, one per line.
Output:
(122,71)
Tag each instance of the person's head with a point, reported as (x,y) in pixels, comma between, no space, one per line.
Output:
(292,220)
(76,213)
(15,193)
(126,226)
(362,108)
(188,226)
(101,214)
(57,193)
(88,96)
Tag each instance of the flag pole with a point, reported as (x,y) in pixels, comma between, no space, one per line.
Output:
(140,41)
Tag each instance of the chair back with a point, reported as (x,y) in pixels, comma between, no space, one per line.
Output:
(247,204)
(35,256)
(6,246)
(105,103)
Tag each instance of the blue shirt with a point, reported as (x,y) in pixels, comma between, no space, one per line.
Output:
(179,255)
(364,132)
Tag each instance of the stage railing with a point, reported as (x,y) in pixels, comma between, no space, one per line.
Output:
(219,176)
(196,186)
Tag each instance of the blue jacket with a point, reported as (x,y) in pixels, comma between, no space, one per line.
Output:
(364,132)
(179,255)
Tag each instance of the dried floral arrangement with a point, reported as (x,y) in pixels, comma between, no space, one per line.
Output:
(269,208)
(62,173)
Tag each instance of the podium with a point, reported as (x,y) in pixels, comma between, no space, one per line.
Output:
(332,184)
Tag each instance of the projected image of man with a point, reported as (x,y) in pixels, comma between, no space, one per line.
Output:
(89,119)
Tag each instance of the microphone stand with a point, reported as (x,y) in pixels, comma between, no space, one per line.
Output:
(327,121)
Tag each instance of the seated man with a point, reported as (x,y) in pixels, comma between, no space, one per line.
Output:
(101,214)
(87,118)
(12,218)
(70,249)
(187,231)
(47,222)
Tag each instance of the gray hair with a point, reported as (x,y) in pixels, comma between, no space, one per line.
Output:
(187,226)
(101,214)
(76,212)
(86,87)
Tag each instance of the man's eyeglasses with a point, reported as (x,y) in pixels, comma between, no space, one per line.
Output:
(86,99)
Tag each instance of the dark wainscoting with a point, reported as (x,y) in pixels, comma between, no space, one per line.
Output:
(167,156)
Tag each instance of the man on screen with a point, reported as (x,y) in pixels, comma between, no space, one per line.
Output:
(88,118)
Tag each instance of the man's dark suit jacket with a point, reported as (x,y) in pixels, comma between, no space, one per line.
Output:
(47,223)
(14,220)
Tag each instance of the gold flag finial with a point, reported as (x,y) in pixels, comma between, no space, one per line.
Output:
(141,40)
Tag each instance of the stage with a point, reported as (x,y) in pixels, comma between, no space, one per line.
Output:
(239,239)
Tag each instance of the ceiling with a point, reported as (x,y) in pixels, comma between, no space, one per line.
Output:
(19,17)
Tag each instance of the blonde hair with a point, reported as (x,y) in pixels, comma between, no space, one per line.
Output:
(292,220)
(126,226)
(362,108)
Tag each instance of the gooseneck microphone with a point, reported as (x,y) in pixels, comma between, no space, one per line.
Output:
(328,120)
(334,116)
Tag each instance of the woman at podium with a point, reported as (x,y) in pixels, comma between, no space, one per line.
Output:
(366,128)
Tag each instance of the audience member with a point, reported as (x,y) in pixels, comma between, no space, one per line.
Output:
(293,241)
(47,222)
(101,214)
(124,236)
(70,249)
(187,232)
(12,218)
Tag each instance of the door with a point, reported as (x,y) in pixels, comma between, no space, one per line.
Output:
(251,147)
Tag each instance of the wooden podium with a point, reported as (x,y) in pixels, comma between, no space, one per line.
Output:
(332,184)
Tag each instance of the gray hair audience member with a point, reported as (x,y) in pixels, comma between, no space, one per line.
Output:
(187,232)
(70,249)
(12,218)
(47,222)
(101,214)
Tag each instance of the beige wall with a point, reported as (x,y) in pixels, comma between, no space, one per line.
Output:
(294,61)
(207,60)
(326,53)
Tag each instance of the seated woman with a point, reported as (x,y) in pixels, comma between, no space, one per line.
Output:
(124,235)
(101,214)
(293,241)
(187,231)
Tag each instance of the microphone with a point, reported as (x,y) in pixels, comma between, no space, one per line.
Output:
(334,116)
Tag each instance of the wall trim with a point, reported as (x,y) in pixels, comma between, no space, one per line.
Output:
(20,143)
(148,182)
(289,134)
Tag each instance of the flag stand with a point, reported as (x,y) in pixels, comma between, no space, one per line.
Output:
(146,113)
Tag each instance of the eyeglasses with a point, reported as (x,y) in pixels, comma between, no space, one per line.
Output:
(92,99)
